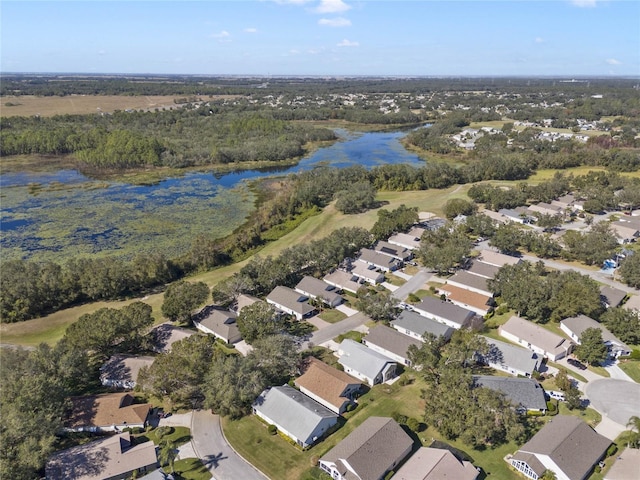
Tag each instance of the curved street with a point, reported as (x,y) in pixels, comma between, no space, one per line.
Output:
(212,448)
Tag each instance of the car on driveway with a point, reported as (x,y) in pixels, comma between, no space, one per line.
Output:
(576,363)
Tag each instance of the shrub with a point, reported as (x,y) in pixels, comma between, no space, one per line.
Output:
(272,429)
(613,448)
(413,424)
(399,417)
(389,475)
(413,298)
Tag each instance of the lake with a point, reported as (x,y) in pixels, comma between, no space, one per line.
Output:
(57,215)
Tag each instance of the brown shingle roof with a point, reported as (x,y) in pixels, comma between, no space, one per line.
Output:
(467,297)
(326,382)
(106,410)
(105,458)
(436,464)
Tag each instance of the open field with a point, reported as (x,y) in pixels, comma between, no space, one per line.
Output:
(30,105)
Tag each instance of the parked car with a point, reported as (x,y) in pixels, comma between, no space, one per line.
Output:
(556,395)
(576,363)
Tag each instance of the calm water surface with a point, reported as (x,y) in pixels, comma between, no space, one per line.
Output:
(60,214)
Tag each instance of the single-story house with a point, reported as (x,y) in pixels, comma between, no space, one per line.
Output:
(536,338)
(379,260)
(436,464)
(574,327)
(495,216)
(433,224)
(611,297)
(416,231)
(221,324)
(471,282)
(165,335)
(289,301)
(297,416)
(482,269)
(367,273)
(343,280)
(626,232)
(244,300)
(390,343)
(476,302)
(626,466)
(106,413)
(496,258)
(395,251)
(365,364)
(510,358)
(565,445)
(543,208)
(416,326)
(525,394)
(121,371)
(516,215)
(110,458)
(566,201)
(444,312)
(315,288)
(405,240)
(374,448)
(328,386)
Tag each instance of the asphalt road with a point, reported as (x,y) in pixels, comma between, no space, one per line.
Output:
(214,451)
(333,330)
(617,399)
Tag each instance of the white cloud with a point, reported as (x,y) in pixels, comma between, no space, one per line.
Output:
(334,22)
(251,30)
(613,61)
(291,2)
(539,40)
(348,43)
(222,37)
(332,6)
(315,51)
(222,34)
(102,52)
(294,52)
(584,3)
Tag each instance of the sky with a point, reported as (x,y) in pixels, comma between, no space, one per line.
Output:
(323,37)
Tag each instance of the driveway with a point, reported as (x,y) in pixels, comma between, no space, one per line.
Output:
(212,448)
(413,284)
(616,372)
(617,399)
(333,330)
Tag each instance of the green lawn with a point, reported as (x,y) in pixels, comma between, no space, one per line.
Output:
(631,368)
(332,315)
(177,435)
(353,335)
(190,469)
(279,459)
(394,279)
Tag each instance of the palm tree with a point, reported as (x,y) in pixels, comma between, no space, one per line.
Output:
(167,454)
(632,436)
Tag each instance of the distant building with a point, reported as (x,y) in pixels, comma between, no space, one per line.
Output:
(416,326)
(121,371)
(574,327)
(536,338)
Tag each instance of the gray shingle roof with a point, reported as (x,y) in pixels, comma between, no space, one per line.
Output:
(523,392)
(223,323)
(362,359)
(417,323)
(572,444)
(290,299)
(318,288)
(612,296)
(446,310)
(392,250)
(483,269)
(436,464)
(377,258)
(470,280)
(580,323)
(518,358)
(372,448)
(292,410)
(390,340)
(536,335)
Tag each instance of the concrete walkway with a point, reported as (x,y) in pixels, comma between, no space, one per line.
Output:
(333,330)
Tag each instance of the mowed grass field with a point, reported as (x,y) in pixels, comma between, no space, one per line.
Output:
(51,328)
(30,105)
